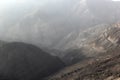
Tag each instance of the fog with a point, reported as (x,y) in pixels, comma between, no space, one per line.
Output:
(48,22)
(115,0)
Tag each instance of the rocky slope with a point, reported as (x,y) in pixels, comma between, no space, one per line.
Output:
(81,38)
(101,68)
(107,40)
(92,42)
(20,61)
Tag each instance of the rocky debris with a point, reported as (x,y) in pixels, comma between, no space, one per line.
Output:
(102,68)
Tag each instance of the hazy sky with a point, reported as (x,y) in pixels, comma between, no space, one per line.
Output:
(115,0)
(6,3)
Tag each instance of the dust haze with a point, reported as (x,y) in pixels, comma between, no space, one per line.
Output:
(59,39)
(46,22)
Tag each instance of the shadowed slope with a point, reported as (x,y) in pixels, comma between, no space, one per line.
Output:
(22,61)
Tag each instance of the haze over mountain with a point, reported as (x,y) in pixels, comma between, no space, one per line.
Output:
(65,32)
(53,20)
(93,42)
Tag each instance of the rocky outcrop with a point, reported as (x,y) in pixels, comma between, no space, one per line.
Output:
(91,43)
(114,34)
(98,39)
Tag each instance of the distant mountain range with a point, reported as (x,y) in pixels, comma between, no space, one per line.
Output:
(50,26)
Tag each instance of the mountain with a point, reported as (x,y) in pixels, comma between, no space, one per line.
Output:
(80,38)
(106,10)
(109,39)
(97,42)
(50,23)
(105,67)
(21,61)
(91,43)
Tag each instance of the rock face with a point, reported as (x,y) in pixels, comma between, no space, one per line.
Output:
(92,42)
(97,39)
(84,37)
(105,48)
(110,38)
(102,68)
(20,61)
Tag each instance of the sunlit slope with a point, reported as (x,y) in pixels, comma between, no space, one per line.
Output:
(102,68)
